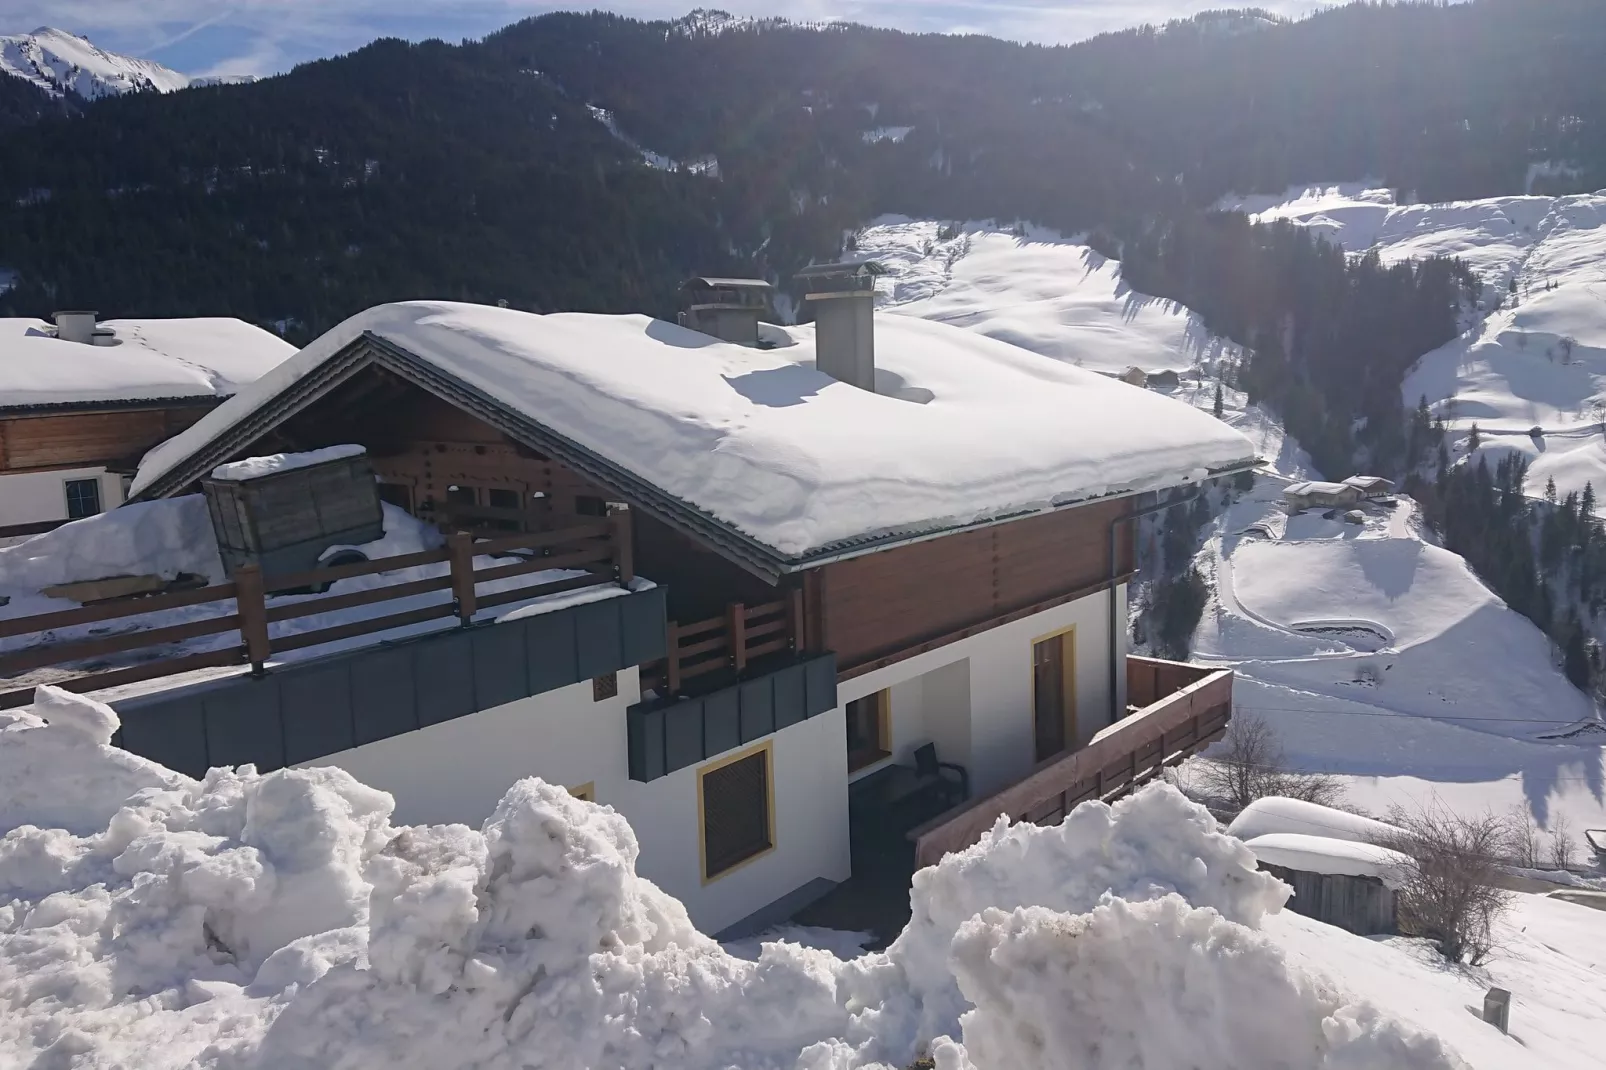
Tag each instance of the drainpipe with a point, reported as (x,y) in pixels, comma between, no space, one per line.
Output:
(1116,712)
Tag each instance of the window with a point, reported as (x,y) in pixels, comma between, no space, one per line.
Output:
(735,811)
(83,498)
(1054,693)
(398,494)
(869,730)
(586,791)
(604,687)
(461,496)
(587,505)
(502,498)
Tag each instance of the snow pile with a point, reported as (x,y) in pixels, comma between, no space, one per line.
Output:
(1043,292)
(60,62)
(1323,854)
(257,467)
(162,538)
(1275,815)
(250,921)
(151,359)
(962,428)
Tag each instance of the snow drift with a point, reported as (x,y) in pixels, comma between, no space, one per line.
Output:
(280,921)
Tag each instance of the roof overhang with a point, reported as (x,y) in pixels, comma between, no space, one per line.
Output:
(732,543)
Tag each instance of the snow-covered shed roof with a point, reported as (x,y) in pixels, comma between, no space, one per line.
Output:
(1275,814)
(963,429)
(1323,854)
(151,360)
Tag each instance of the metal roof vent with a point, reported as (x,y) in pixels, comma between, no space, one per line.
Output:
(76,327)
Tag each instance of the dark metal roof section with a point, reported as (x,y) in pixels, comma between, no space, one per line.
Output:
(723,537)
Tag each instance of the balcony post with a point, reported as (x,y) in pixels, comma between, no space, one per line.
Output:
(251,604)
(460,553)
(624,558)
(736,630)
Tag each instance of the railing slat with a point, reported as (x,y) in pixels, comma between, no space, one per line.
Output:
(302,640)
(134,674)
(154,603)
(82,649)
(318,576)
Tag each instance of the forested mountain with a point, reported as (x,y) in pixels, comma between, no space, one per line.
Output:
(539,166)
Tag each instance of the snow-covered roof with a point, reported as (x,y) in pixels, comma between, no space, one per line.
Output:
(1368,482)
(274,463)
(1323,854)
(153,359)
(964,428)
(1275,814)
(1316,487)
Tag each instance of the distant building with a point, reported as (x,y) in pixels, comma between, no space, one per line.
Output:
(81,401)
(1135,376)
(1371,486)
(1317,495)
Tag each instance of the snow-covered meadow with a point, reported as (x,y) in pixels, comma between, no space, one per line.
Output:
(151,920)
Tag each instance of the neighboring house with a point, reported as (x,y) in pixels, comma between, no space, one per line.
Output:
(1318,495)
(1371,486)
(843,575)
(80,403)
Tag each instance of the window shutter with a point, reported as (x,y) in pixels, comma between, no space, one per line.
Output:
(736,818)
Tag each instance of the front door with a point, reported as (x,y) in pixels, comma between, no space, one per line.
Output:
(1053,694)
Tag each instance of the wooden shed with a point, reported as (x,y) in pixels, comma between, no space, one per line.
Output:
(283,512)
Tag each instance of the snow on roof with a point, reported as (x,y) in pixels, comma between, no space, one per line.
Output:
(273,463)
(1275,814)
(1324,854)
(964,428)
(1316,487)
(155,359)
(1367,482)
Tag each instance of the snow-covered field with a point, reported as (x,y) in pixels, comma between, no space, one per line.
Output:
(1042,292)
(281,921)
(1534,354)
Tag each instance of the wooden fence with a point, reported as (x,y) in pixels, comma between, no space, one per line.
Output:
(1116,762)
(743,634)
(599,546)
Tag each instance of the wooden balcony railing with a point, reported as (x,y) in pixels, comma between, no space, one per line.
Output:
(246,606)
(1116,762)
(729,642)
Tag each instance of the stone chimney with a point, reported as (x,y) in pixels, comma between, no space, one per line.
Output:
(727,309)
(843,296)
(76,327)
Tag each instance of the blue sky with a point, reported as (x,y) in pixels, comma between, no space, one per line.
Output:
(267,36)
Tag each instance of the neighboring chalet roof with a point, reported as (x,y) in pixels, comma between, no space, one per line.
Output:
(717,283)
(1300,490)
(754,450)
(1368,482)
(153,360)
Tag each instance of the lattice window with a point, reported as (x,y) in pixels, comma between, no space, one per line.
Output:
(738,823)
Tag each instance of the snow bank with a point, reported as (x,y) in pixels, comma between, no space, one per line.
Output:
(280,921)
(257,467)
(765,442)
(1276,815)
(1323,854)
(178,358)
(163,538)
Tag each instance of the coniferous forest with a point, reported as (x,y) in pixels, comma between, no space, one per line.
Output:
(483,171)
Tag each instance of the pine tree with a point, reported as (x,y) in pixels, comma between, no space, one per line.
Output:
(1216,406)
(1550,490)
(1474,438)
(1586,505)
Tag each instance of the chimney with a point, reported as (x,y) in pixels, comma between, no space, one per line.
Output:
(76,327)
(844,325)
(728,309)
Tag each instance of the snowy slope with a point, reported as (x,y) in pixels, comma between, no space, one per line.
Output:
(60,62)
(1042,292)
(281,921)
(1534,353)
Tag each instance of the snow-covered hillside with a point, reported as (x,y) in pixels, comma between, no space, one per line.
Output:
(1534,354)
(250,921)
(60,62)
(1043,292)
(1379,656)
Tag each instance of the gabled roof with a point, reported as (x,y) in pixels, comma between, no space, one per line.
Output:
(755,451)
(152,360)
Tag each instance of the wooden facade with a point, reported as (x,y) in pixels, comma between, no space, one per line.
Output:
(114,438)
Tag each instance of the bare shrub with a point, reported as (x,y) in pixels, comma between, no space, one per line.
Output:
(1522,845)
(1561,842)
(1249,764)
(1446,890)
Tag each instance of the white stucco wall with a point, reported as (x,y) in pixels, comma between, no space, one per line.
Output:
(31,497)
(457,771)
(973,698)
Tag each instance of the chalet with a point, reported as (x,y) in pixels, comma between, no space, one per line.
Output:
(875,572)
(1371,487)
(81,402)
(1318,495)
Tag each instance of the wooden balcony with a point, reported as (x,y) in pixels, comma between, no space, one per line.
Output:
(1184,709)
(252,618)
(721,648)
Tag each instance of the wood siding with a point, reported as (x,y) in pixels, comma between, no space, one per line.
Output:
(872,607)
(87,439)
